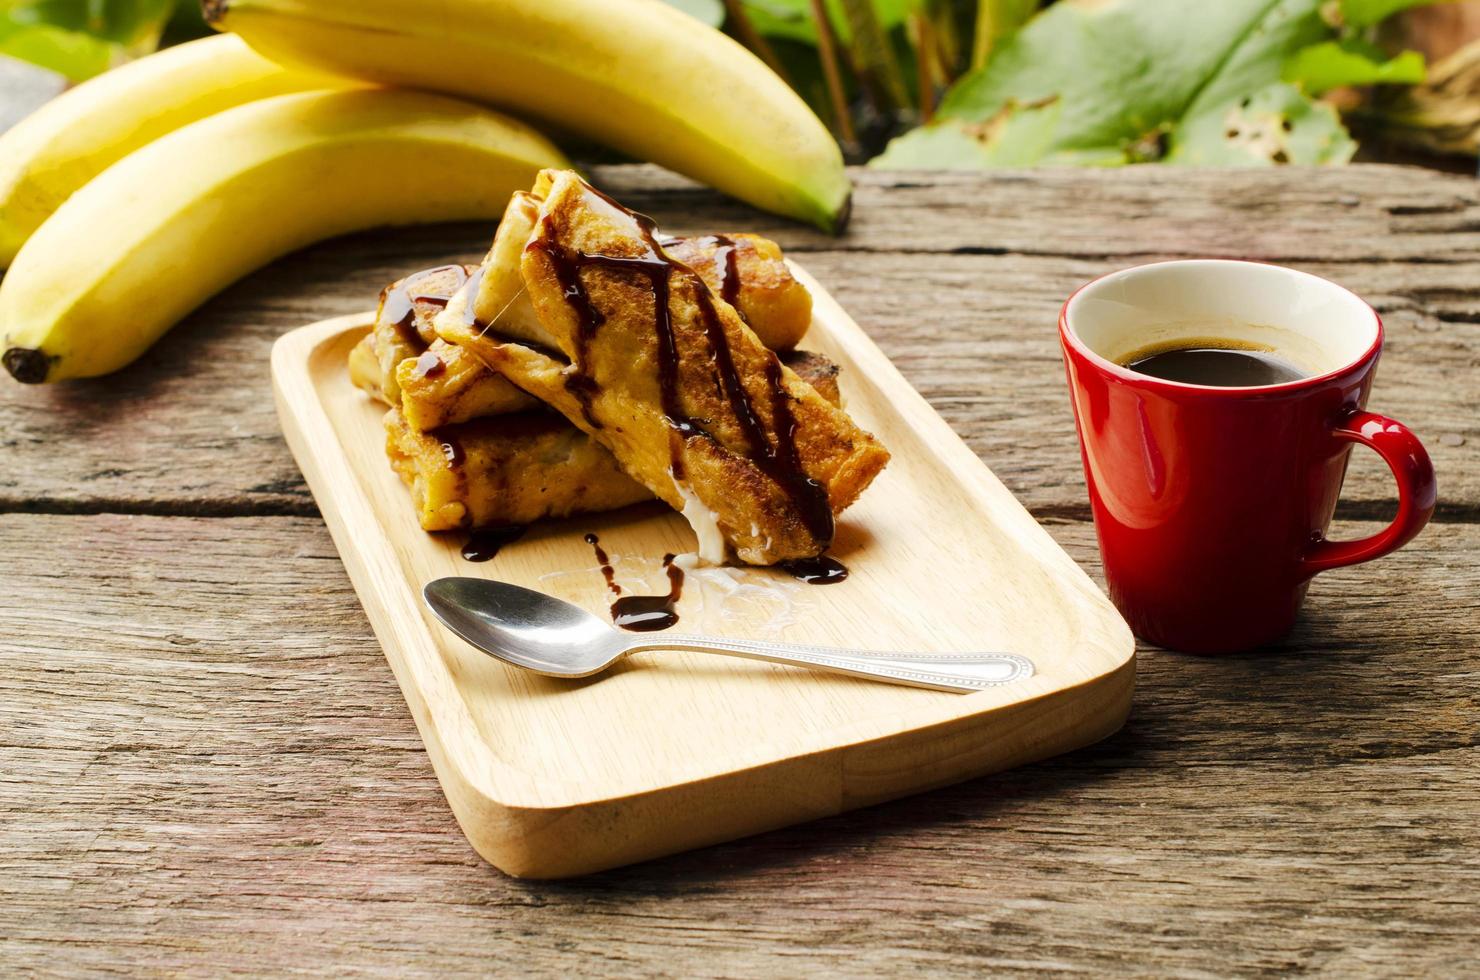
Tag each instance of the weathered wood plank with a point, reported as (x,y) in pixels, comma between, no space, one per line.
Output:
(1370,213)
(205,761)
(192,429)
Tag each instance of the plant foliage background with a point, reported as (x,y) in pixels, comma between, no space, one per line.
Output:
(967,83)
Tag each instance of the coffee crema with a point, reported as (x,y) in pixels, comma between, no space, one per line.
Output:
(1217,362)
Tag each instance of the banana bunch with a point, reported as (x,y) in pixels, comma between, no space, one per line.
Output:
(637,75)
(50,154)
(171,224)
(130,200)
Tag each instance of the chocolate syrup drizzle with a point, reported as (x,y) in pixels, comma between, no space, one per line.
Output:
(607,572)
(726,252)
(567,266)
(780,461)
(399,302)
(640,613)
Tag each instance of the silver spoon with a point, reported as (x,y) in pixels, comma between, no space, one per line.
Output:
(553,637)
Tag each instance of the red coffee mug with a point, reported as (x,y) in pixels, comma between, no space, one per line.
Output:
(1212,504)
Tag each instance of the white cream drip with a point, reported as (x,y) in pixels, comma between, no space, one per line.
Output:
(704,522)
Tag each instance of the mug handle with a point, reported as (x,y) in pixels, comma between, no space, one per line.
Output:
(1417,490)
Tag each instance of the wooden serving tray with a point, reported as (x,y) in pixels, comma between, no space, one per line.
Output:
(551,778)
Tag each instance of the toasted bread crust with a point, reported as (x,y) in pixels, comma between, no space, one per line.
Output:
(508,469)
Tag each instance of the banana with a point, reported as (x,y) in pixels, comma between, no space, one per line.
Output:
(638,75)
(73,138)
(159,232)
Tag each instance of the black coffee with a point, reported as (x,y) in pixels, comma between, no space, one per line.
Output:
(1218,366)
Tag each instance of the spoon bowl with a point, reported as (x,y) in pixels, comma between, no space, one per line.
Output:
(525,627)
(550,636)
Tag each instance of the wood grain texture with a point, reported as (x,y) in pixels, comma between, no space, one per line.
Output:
(205,763)
(957,277)
(203,768)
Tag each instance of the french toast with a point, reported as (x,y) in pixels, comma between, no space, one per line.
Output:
(505,469)
(515,469)
(444,388)
(636,349)
(434,383)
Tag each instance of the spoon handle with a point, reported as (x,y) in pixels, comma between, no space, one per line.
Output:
(937,671)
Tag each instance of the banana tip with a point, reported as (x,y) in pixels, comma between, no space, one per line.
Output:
(27,365)
(845,213)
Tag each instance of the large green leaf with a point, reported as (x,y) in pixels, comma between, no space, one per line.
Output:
(1020,135)
(1138,80)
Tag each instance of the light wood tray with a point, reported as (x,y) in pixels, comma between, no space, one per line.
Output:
(666,752)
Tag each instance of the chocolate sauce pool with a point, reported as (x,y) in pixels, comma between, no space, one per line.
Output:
(484,543)
(640,613)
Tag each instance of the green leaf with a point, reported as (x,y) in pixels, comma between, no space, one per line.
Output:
(1018,136)
(1365,13)
(81,39)
(711,12)
(1332,64)
(792,19)
(783,19)
(77,56)
(123,22)
(1138,80)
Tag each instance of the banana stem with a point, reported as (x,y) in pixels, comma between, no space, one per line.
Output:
(754,39)
(827,51)
(945,30)
(873,52)
(925,56)
(984,33)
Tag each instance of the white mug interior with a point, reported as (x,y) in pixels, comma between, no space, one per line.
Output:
(1316,325)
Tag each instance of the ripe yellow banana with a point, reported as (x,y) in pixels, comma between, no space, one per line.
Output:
(169,225)
(70,140)
(638,75)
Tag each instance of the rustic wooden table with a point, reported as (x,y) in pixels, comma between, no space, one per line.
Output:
(206,764)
